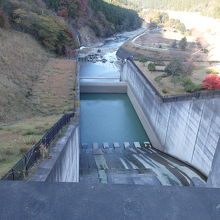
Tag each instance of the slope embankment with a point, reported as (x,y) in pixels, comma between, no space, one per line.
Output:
(36,89)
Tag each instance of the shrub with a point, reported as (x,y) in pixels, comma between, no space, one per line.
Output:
(212,81)
(183,43)
(181,27)
(165,91)
(142,59)
(23,150)
(187,83)
(204,50)
(151,67)
(212,71)
(192,87)
(176,23)
(174,44)
(158,18)
(174,68)
(31,140)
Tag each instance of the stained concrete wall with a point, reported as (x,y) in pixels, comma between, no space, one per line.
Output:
(63,162)
(103,87)
(66,168)
(188,130)
(214,176)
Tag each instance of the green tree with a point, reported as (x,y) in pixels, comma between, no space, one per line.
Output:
(174,68)
(174,44)
(183,43)
(151,67)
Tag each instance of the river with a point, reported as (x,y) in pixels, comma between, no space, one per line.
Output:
(110,69)
(109,126)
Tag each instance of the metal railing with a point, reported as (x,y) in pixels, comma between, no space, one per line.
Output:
(176,98)
(21,169)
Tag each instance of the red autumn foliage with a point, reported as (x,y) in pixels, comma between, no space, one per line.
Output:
(212,81)
(63,12)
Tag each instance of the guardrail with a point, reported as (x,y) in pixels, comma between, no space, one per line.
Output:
(21,169)
(176,98)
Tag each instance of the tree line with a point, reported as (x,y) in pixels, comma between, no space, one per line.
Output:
(206,7)
(120,18)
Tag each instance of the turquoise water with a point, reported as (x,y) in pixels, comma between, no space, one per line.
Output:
(109,118)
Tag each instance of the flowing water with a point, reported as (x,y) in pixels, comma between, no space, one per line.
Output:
(102,71)
(109,120)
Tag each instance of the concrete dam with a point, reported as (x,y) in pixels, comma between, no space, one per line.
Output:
(126,153)
(188,130)
(126,134)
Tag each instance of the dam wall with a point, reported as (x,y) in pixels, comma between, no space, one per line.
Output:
(63,162)
(188,130)
(103,87)
(66,167)
(214,175)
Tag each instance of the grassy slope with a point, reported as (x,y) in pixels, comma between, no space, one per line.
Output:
(35,90)
(21,59)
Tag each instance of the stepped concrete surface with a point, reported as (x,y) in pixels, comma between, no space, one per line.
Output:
(137,145)
(57,201)
(105,145)
(116,144)
(129,163)
(126,144)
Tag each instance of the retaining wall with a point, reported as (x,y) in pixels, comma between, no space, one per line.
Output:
(214,176)
(188,130)
(63,162)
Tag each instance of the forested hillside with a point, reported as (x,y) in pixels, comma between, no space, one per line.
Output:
(58,24)
(121,18)
(206,7)
(103,17)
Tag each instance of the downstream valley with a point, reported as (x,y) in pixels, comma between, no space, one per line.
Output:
(115,147)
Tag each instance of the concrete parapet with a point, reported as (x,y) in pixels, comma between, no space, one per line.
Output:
(75,201)
(63,162)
